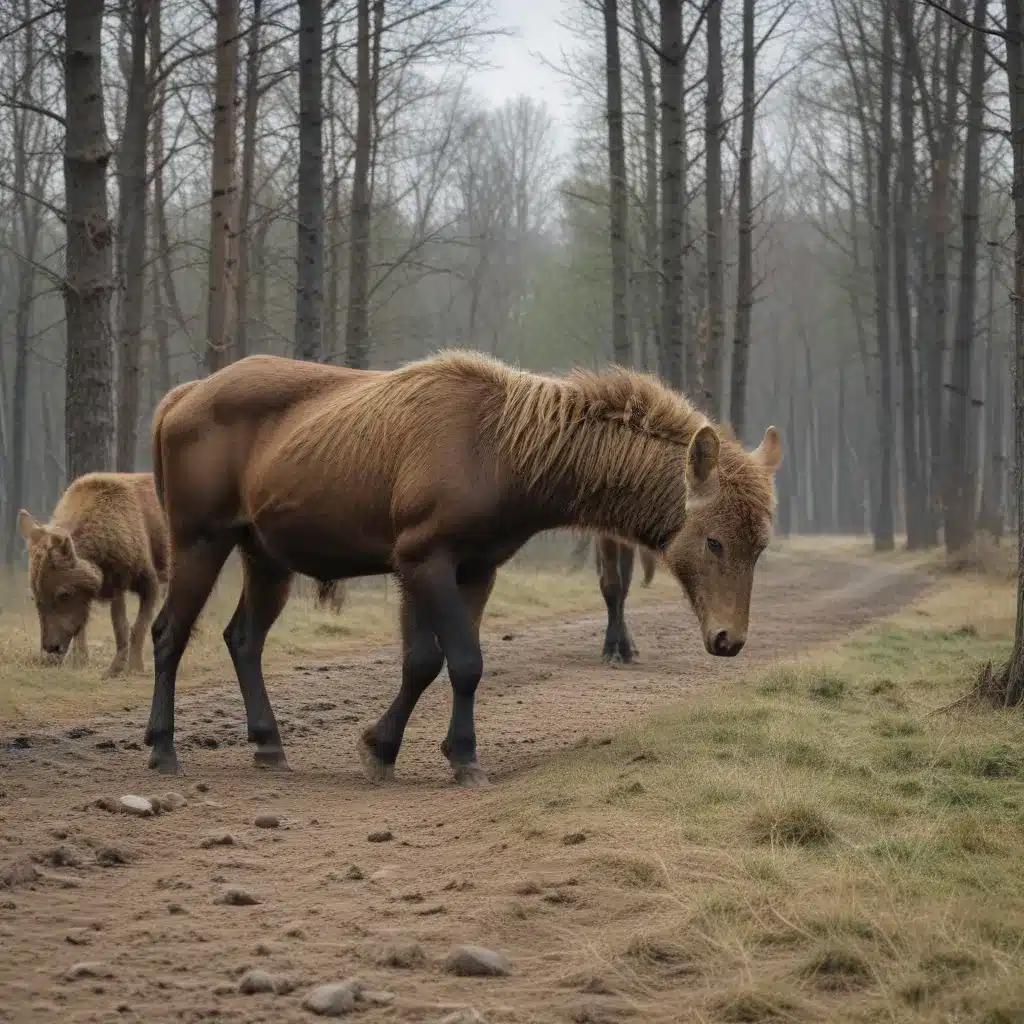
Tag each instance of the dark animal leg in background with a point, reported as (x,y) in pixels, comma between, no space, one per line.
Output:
(194,573)
(265,590)
(615,568)
(422,662)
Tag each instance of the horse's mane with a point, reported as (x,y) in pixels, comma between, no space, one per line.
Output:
(642,426)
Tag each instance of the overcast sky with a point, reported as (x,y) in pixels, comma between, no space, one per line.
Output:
(518,60)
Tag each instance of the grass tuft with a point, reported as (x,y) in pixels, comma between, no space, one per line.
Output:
(790,824)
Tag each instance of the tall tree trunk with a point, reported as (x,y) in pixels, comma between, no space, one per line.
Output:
(913,492)
(1015,74)
(959,497)
(650,277)
(249,116)
(160,373)
(670,355)
(89,395)
(621,347)
(991,515)
(132,218)
(745,250)
(27,222)
(220,322)
(884,540)
(309,300)
(714,130)
(357,328)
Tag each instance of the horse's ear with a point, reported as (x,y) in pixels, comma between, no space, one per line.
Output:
(702,456)
(769,451)
(28,527)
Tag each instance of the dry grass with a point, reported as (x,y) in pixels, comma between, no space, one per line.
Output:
(32,693)
(809,845)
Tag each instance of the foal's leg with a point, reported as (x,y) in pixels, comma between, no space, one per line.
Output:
(78,656)
(264,594)
(147,589)
(195,568)
(616,573)
(422,661)
(432,585)
(119,620)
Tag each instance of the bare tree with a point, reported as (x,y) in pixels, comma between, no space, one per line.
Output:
(220,329)
(310,288)
(959,503)
(132,228)
(884,527)
(745,252)
(619,228)
(88,405)
(670,358)
(357,329)
(714,129)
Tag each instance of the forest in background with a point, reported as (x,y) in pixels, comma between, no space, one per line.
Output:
(798,213)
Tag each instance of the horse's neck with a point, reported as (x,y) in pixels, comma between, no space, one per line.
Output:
(635,496)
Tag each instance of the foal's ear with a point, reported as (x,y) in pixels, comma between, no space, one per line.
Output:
(28,527)
(702,456)
(769,451)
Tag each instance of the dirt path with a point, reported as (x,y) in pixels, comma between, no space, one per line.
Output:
(173,953)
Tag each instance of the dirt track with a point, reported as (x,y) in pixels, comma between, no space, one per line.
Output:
(173,953)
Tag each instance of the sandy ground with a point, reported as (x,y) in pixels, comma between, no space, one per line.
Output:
(163,948)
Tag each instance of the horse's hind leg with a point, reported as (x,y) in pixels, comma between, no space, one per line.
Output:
(264,594)
(422,661)
(195,568)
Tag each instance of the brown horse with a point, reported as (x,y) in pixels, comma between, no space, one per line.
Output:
(614,560)
(438,472)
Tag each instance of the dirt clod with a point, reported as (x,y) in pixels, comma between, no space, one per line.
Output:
(172,802)
(112,856)
(217,839)
(234,896)
(382,836)
(266,821)
(354,873)
(334,999)
(88,969)
(477,962)
(255,981)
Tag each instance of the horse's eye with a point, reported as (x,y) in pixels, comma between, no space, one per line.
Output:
(714,546)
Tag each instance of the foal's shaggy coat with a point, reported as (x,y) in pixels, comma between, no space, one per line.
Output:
(439,471)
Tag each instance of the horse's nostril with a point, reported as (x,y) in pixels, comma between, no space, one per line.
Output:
(52,648)
(721,643)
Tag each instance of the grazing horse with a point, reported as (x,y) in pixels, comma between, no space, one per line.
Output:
(438,472)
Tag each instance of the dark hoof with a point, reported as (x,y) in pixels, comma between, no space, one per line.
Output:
(164,761)
(470,776)
(374,769)
(271,758)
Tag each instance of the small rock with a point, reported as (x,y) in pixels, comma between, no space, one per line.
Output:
(137,805)
(107,803)
(295,930)
(106,745)
(89,969)
(60,832)
(175,908)
(79,937)
(574,839)
(477,962)
(469,1016)
(266,821)
(256,981)
(218,839)
(233,896)
(172,802)
(265,949)
(335,999)
(354,873)
(112,856)
(401,954)
(382,836)
(202,787)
